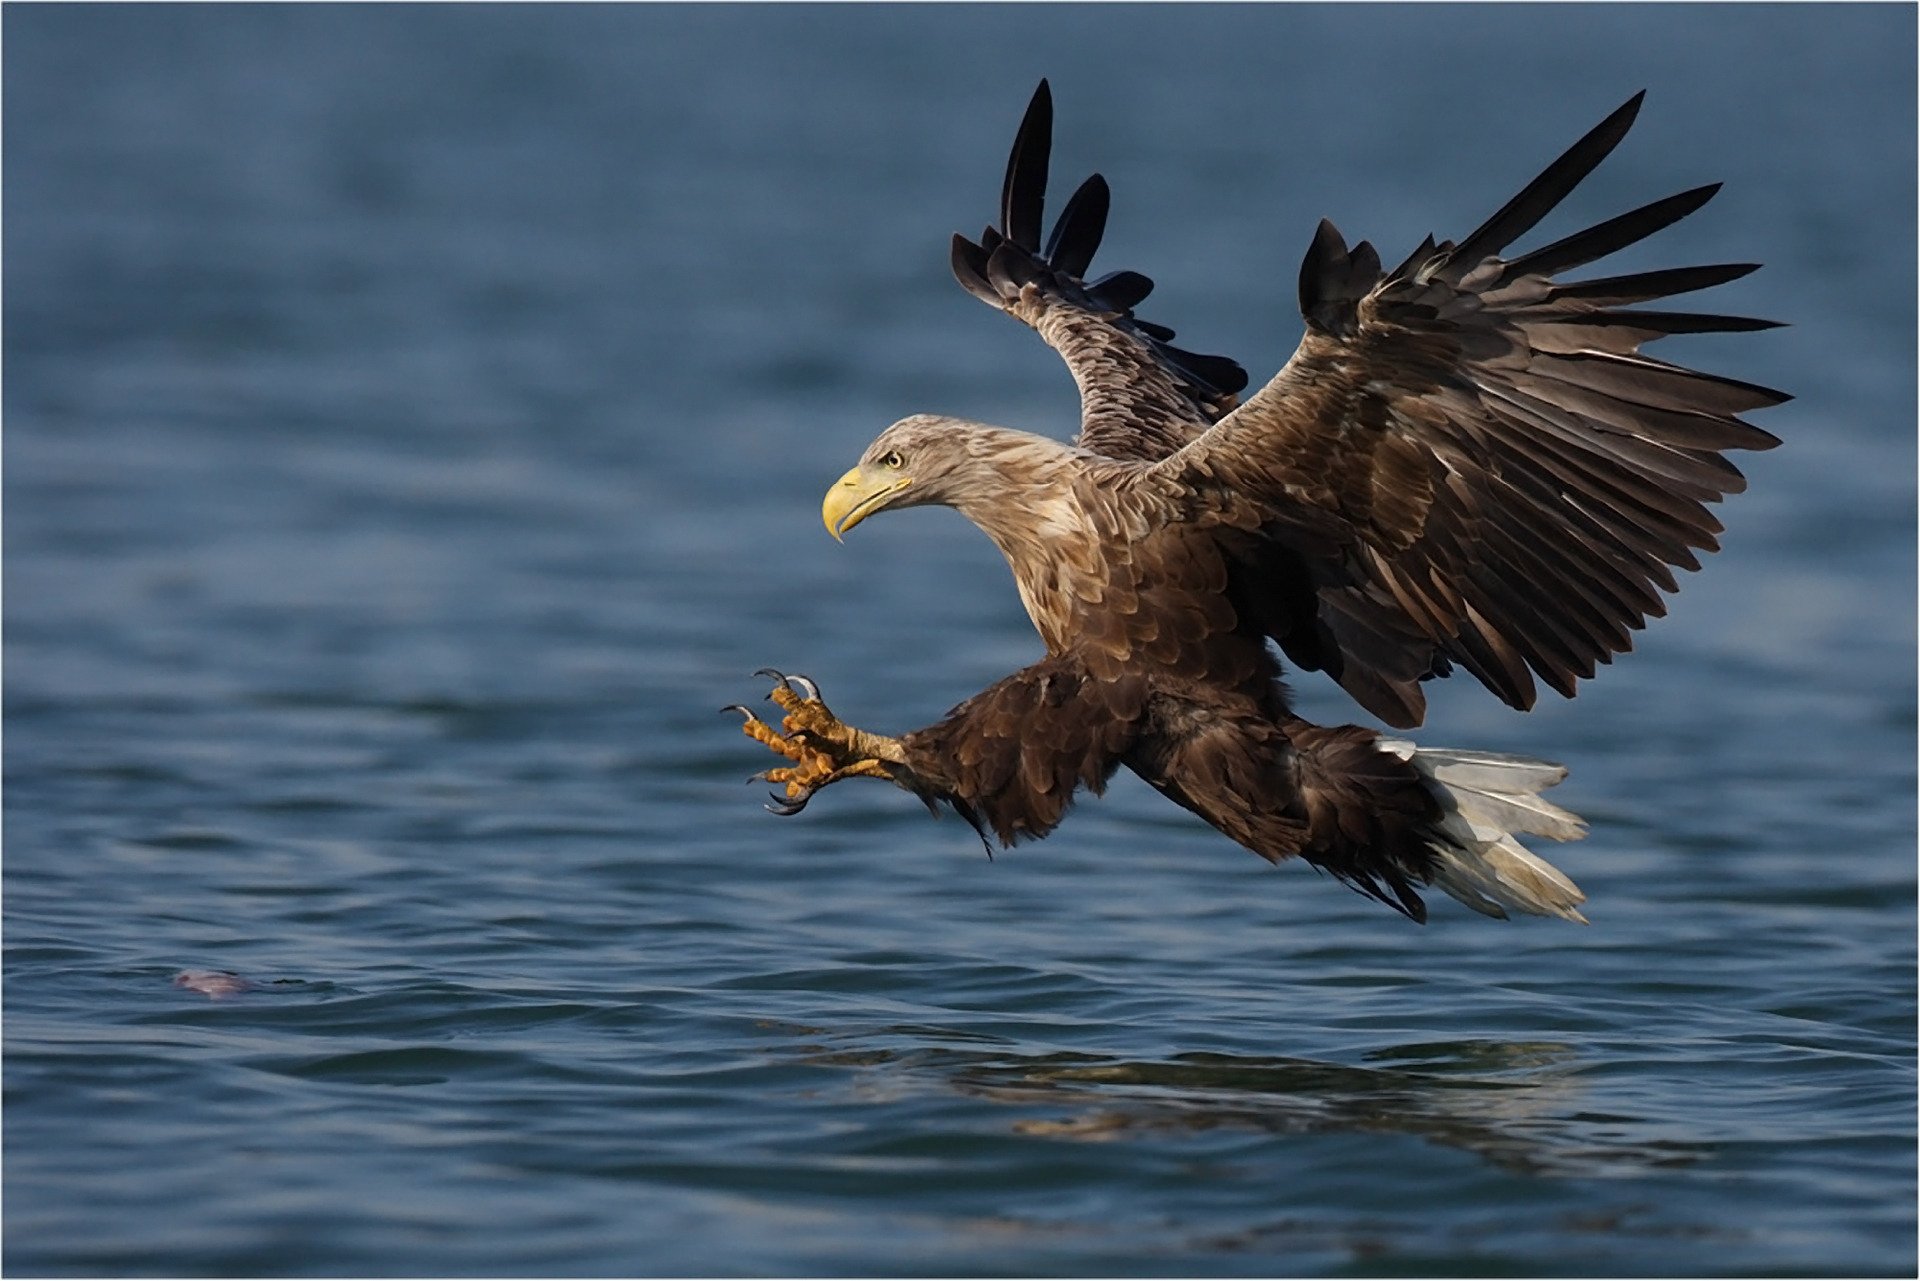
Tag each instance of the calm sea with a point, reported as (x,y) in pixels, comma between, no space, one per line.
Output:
(415,419)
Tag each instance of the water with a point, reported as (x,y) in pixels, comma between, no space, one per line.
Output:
(415,424)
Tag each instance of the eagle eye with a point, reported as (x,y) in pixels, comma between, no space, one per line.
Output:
(892,459)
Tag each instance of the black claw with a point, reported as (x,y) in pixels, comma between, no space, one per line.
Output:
(786,808)
(772,674)
(736,707)
(807,687)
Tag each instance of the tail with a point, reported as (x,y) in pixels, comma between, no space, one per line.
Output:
(1487,798)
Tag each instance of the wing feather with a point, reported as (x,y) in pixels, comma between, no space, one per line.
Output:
(1510,480)
(1023,191)
(1614,234)
(1083,222)
(1645,286)
(1141,397)
(1518,216)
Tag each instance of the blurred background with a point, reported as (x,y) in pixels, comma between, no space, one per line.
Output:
(415,422)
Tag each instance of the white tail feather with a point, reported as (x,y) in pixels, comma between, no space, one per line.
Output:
(1487,798)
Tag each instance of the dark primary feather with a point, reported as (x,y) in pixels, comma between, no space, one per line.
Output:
(1023,191)
(1510,477)
(1614,234)
(1141,397)
(1645,286)
(1518,216)
(1077,235)
(1121,291)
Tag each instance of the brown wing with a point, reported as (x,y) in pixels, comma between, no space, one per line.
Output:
(1141,397)
(1471,461)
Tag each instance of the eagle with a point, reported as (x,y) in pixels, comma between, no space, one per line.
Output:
(1467,464)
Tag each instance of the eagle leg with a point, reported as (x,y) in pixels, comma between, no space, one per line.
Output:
(823,749)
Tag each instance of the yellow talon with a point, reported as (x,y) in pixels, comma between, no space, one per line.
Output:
(761,732)
(823,749)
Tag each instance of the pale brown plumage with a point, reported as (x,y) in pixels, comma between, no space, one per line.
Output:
(1465,462)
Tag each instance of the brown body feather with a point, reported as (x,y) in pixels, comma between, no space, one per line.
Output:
(1157,660)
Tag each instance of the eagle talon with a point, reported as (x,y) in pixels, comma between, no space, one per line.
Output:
(786,808)
(822,749)
(796,687)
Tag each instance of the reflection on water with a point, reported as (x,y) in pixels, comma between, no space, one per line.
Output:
(1515,1103)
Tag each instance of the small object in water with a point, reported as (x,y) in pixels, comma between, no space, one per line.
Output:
(217,984)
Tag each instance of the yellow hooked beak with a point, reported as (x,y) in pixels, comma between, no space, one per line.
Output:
(859,494)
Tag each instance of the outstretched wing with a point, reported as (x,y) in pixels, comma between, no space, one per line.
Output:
(1140,396)
(1472,461)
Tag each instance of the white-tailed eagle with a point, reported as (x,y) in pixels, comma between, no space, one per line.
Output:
(1468,463)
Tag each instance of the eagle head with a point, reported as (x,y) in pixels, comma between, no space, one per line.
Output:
(918,460)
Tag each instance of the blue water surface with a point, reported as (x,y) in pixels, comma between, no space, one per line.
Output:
(415,420)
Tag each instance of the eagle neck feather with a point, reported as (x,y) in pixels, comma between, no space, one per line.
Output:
(1031,495)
